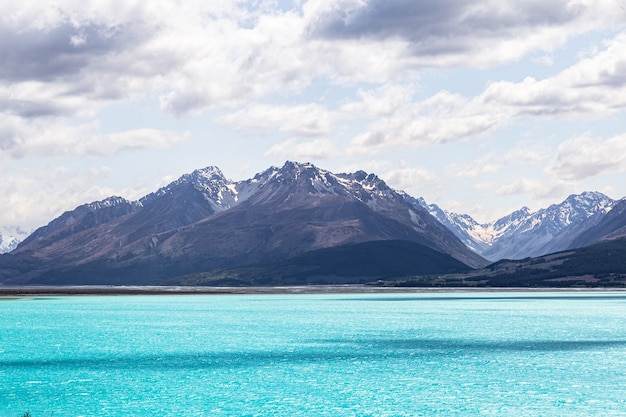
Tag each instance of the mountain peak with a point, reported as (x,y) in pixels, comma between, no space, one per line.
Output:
(205,179)
(218,191)
(299,166)
(590,199)
(210,173)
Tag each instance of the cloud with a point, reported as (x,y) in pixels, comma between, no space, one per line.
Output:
(521,155)
(293,149)
(592,88)
(454,32)
(410,179)
(300,120)
(41,203)
(136,139)
(356,41)
(60,51)
(473,169)
(19,137)
(527,154)
(519,186)
(539,188)
(383,101)
(421,21)
(442,118)
(228,63)
(94,53)
(586,157)
(204,55)
(415,180)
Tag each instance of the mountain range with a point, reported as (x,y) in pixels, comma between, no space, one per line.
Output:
(204,223)
(525,233)
(295,224)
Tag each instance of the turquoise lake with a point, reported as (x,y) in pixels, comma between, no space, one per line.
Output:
(412,354)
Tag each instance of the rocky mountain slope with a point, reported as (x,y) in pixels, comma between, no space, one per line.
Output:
(204,222)
(524,233)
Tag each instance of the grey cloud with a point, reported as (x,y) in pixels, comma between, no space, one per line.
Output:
(613,75)
(387,19)
(11,141)
(440,26)
(51,54)
(580,170)
(31,109)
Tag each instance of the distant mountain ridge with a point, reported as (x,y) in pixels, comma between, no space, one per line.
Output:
(524,233)
(205,222)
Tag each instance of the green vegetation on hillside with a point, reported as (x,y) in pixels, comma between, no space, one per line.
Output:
(600,265)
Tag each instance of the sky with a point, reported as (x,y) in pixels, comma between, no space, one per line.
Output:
(480,107)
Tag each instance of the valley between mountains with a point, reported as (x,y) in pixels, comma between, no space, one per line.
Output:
(299,224)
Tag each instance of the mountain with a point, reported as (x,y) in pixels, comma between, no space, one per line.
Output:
(10,237)
(474,235)
(611,226)
(345,264)
(84,217)
(524,233)
(204,223)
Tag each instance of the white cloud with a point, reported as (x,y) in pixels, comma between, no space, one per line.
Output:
(442,118)
(79,56)
(473,169)
(527,154)
(350,42)
(592,88)
(400,175)
(301,120)
(384,101)
(585,157)
(412,180)
(135,139)
(294,149)
(451,32)
(519,186)
(219,54)
(20,137)
(41,202)
(547,189)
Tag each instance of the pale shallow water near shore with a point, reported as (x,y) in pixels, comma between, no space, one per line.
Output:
(391,354)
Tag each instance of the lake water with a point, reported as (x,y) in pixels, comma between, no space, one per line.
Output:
(443,354)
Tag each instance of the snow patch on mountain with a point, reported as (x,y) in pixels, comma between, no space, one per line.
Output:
(219,192)
(10,237)
(525,233)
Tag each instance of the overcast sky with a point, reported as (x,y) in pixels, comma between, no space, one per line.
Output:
(481,108)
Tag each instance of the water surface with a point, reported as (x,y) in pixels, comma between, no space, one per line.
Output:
(445,354)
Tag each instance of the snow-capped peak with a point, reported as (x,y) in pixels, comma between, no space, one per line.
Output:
(523,232)
(219,192)
(107,202)
(10,237)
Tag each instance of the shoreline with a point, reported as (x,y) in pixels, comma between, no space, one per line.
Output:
(26,291)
